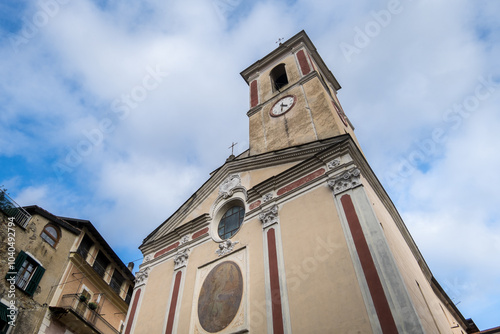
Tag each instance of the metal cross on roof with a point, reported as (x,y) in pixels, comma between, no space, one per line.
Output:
(232,147)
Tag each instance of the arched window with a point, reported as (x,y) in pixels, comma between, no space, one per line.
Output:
(231,221)
(278,77)
(51,234)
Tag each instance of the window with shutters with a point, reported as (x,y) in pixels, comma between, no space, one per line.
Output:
(4,321)
(116,282)
(100,264)
(85,246)
(130,291)
(27,273)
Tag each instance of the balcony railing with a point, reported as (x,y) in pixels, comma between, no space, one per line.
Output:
(74,303)
(114,284)
(12,209)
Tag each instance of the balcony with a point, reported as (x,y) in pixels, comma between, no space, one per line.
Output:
(76,315)
(12,209)
(100,273)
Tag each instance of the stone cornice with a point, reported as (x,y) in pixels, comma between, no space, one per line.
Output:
(177,234)
(288,155)
(313,163)
(292,44)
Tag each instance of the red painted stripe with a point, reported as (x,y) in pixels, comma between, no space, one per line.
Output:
(372,279)
(166,250)
(304,65)
(173,303)
(200,233)
(308,56)
(275,283)
(132,312)
(301,181)
(254,205)
(254,94)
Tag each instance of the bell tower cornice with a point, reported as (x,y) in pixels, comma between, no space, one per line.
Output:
(290,46)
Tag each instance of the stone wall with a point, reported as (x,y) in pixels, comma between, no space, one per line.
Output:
(29,312)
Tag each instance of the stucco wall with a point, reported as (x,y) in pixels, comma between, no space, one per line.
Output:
(322,286)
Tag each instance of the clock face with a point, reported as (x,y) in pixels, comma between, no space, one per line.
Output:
(283,105)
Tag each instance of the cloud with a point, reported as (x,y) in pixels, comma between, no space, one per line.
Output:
(83,72)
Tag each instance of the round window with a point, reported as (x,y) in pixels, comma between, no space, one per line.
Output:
(231,221)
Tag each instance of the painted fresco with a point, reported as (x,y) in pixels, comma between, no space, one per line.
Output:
(220,297)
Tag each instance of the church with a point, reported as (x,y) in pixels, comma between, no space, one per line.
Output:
(294,235)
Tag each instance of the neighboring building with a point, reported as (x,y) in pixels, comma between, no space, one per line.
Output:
(296,234)
(58,270)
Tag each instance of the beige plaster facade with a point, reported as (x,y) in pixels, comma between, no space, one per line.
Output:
(321,247)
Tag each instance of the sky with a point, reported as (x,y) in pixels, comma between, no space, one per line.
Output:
(117,111)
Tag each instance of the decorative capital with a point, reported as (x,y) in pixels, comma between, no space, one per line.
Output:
(269,217)
(226,247)
(334,163)
(227,186)
(346,181)
(180,259)
(142,276)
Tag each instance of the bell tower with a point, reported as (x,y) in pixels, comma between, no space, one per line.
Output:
(293,98)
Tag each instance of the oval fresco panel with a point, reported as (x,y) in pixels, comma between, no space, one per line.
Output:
(220,297)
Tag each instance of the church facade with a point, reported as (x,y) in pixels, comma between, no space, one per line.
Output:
(296,234)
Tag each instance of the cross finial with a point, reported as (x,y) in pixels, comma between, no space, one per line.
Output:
(279,40)
(232,147)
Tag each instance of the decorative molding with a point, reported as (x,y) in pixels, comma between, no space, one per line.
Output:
(254,205)
(267,197)
(239,321)
(348,180)
(334,163)
(269,217)
(147,258)
(180,259)
(226,247)
(142,276)
(300,182)
(183,240)
(226,188)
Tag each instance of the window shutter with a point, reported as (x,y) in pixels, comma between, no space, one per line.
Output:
(3,312)
(21,257)
(35,279)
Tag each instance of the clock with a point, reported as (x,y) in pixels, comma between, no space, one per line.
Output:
(283,106)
